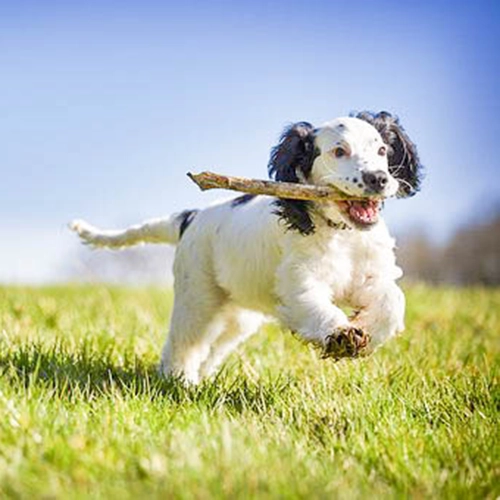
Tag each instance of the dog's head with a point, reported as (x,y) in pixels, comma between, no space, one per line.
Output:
(368,156)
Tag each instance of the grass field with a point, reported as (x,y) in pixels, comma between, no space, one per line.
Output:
(83,413)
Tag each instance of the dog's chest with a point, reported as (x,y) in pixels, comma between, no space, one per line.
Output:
(346,259)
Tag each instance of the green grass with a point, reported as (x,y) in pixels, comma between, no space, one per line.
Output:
(83,413)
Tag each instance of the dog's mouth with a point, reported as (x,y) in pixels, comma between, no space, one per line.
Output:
(363,213)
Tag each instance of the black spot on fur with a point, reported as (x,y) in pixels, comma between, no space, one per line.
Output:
(295,214)
(185,219)
(242,200)
(404,163)
(291,161)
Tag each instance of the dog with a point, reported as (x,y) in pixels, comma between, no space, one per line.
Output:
(241,262)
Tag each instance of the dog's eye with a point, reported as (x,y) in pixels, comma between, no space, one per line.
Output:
(339,152)
(382,151)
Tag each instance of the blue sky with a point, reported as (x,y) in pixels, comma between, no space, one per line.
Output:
(104,106)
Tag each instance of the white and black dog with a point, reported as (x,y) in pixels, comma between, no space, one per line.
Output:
(242,261)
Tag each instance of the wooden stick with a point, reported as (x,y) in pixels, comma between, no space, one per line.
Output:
(210,180)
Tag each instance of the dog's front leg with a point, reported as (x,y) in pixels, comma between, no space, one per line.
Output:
(306,308)
(381,310)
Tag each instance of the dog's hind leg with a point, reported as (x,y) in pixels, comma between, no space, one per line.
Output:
(198,318)
(240,325)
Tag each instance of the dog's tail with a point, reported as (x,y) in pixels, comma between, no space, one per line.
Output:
(168,230)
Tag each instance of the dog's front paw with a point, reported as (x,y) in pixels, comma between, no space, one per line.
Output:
(346,342)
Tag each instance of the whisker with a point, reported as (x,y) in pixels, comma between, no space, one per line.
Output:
(396,168)
(404,182)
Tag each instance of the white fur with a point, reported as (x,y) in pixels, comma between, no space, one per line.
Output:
(236,266)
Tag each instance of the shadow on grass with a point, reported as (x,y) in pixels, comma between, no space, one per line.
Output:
(87,373)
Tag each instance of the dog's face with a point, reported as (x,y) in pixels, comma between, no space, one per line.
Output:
(368,156)
(353,158)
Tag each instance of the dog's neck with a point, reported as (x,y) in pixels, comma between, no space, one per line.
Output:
(328,214)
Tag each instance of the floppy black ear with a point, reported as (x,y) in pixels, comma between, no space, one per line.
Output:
(291,161)
(404,163)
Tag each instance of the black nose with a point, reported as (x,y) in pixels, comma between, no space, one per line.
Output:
(375,181)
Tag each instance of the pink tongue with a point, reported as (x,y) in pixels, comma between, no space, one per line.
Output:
(363,212)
